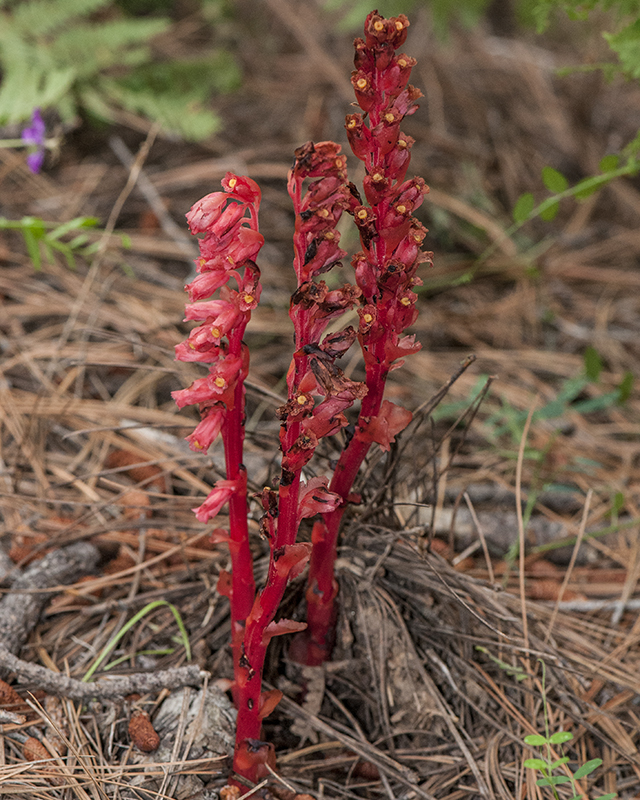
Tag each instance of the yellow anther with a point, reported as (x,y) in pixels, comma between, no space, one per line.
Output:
(216,333)
(340,162)
(402,144)
(192,345)
(302,399)
(330,235)
(418,236)
(230,259)
(377,177)
(401,209)
(389,118)
(323,212)
(378,25)
(248,298)
(362,83)
(367,318)
(399,25)
(351,124)
(405,301)
(402,63)
(232,183)
(220,382)
(197,444)
(362,214)
(201,261)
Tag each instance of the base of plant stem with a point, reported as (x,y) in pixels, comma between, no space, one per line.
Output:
(313,646)
(251,760)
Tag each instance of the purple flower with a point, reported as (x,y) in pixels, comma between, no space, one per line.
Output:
(34,135)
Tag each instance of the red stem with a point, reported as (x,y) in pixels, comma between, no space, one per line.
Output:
(315,643)
(243,583)
(253,645)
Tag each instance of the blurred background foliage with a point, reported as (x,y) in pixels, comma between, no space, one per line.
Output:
(104,58)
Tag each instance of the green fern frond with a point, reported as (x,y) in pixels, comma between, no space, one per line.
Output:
(188,120)
(35,18)
(28,88)
(94,48)
(54,55)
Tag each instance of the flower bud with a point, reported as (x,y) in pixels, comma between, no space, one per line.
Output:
(205,212)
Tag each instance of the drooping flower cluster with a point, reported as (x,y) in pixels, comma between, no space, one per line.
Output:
(228,251)
(229,247)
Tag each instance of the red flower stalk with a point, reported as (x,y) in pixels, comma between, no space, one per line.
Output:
(229,222)
(319,393)
(386,276)
(312,373)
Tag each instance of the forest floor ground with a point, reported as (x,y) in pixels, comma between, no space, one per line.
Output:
(451,648)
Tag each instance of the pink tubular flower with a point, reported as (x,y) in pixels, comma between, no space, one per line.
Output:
(206,212)
(205,284)
(222,491)
(206,432)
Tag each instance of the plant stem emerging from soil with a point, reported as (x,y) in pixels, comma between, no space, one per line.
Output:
(386,275)
(319,393)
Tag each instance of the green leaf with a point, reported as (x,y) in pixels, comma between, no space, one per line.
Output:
(609,796)
(33,249)
(555,780)
(625,388)
(550,212)
(617,503)
(609,163)
(588,186)
(536,740)
(39,17)
(587,768)
(626,43)
(560,737)
(601,403)
(558,763)
(592,364)
(535,763)
(554,180)
(73,225)
(523,208)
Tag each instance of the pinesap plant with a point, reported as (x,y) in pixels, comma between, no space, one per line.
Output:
(319,394)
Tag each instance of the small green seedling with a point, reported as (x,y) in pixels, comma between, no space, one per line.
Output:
(184,636)
(547,765)
(42,239)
